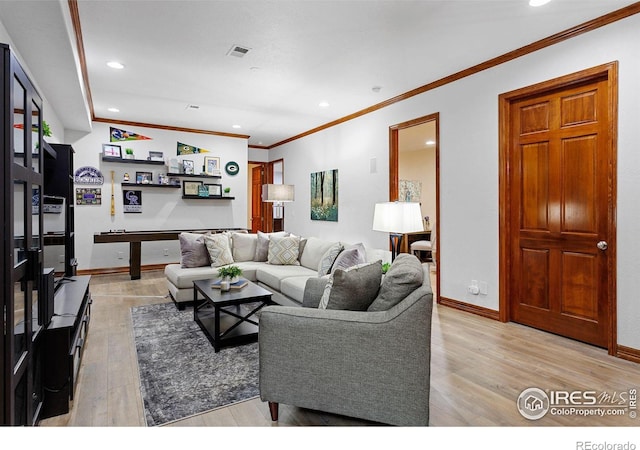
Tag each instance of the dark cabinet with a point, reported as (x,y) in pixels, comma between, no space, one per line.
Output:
(63,344)
(58,182)
(22,183)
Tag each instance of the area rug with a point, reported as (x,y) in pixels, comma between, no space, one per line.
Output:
(180,374)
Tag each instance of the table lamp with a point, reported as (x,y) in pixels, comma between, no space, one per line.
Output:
(397,218)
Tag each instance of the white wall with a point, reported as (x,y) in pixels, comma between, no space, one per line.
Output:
(469,166)
(162,208)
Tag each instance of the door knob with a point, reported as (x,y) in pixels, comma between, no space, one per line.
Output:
(602,245)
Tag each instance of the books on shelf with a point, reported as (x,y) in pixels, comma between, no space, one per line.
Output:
(242,282)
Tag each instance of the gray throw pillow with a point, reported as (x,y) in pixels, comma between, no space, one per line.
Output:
(193,251)
(349,257)
(262,246)
(352,289)
(403,277)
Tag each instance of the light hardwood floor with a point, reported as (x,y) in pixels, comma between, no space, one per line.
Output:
(479,367)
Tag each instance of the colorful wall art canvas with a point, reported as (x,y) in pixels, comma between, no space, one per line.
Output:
(410,191)
(324,195)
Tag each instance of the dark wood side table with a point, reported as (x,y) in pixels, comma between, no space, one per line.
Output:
(220,313)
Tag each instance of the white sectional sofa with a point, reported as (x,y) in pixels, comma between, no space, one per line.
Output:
(286,281)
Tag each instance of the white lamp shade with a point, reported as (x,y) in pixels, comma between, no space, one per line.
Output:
(278,193)
(398,217)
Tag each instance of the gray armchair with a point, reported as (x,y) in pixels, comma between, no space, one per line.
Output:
(369,365)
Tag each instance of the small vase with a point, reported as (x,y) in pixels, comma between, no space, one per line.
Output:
(224,285)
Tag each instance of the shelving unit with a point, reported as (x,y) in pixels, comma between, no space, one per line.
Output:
(132,161)
(58,181)
(153,185)
(189,175)
(197,197)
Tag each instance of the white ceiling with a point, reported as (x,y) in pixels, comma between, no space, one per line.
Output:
(301,53)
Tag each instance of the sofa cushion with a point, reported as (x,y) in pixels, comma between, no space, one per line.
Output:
(294,287)
(192,250)
(272,275)
(374,254)
(243,246)
(314,250)
(329,257)
(219,249)
(283,250)
(353,289)
(349,257)
(262,246)
(183,278)
(403,277)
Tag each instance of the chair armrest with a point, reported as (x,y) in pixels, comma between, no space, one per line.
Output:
(313,291)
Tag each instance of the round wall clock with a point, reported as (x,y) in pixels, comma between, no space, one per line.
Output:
(232,168)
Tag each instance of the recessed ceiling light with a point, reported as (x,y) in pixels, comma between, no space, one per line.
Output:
(430,142)
(323,104)
(236,127)
(538,2)
(115,65)
(376,89)
(113,109)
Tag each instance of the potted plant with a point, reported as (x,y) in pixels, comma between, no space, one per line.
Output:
(227,190)
(128,153)
(231,273)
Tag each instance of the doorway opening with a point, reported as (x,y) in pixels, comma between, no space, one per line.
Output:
(263,216)
(414,176)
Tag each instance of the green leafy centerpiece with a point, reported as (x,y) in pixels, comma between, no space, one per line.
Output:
(231,273)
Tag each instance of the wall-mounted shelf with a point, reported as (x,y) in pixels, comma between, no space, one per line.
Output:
(132,161)
(154,185)
(197,197)
(187,175)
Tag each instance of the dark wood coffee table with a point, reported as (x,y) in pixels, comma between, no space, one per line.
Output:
(220,313)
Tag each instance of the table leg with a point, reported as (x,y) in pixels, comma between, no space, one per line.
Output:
(135,251)
(217,341)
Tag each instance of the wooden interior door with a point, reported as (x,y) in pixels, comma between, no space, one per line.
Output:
(561,172)
(257,219)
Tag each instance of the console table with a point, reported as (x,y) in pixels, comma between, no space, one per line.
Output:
(135,239)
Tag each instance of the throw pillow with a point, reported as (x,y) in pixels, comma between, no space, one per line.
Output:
(219,249)
(329,257)
(262,246)
(349,257)
(353,289)
(403,277)
(243,246)
(192,250)
(284,250)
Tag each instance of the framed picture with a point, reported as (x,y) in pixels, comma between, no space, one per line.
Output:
(211,165)
(191,187)
(188,166)
(111,151)
(215,190)
(144,177)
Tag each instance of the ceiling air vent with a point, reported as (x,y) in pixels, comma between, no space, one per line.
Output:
(238,51)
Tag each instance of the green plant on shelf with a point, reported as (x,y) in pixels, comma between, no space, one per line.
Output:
(229,272)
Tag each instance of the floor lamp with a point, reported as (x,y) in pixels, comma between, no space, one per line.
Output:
(278,194)
(397,218)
